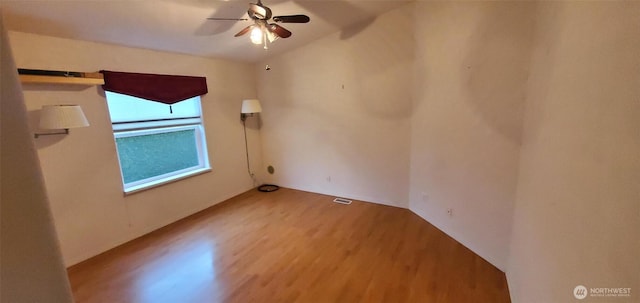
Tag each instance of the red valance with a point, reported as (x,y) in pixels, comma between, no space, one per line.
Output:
(168,89)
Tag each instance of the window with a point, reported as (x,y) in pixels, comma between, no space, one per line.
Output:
(157,143)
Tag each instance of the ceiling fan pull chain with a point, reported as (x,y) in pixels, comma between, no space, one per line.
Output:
(264,38)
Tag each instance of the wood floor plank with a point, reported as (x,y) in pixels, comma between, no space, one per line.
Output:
(290,246)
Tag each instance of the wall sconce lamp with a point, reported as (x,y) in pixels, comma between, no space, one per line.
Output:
(249,107)
(61,117)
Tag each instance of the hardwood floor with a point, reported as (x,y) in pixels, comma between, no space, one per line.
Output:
(291,246)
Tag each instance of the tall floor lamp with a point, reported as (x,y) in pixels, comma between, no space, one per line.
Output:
(249,108)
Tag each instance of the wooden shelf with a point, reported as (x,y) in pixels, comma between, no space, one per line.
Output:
(86,79)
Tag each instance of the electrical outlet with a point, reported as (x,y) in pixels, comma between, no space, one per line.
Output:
(450,212)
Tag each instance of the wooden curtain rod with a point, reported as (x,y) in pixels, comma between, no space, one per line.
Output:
(59,77)
(55,73)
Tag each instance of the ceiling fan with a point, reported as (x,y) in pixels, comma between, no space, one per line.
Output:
(262,31)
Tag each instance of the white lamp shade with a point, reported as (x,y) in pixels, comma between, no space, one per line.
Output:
(251,106)
(62,117)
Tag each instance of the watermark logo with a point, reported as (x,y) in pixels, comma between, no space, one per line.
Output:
(580,292)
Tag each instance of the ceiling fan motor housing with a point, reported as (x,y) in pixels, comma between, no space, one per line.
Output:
(259,12)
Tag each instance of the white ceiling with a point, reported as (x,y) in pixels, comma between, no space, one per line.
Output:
(181,25)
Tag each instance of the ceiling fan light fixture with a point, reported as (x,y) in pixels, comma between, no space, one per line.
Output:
(271,36)
(256,35)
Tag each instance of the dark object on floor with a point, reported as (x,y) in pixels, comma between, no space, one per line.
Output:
(268,188)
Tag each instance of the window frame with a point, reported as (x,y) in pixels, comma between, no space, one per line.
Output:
(150,127)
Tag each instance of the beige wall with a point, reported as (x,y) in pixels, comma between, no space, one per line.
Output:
(471,69)
(425,99)
(30,258)
(577,216)
(336,116)
(81,170)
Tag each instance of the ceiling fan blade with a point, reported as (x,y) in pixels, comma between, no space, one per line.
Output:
(227,19)
(292,19)
(244,31)
(279,30)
